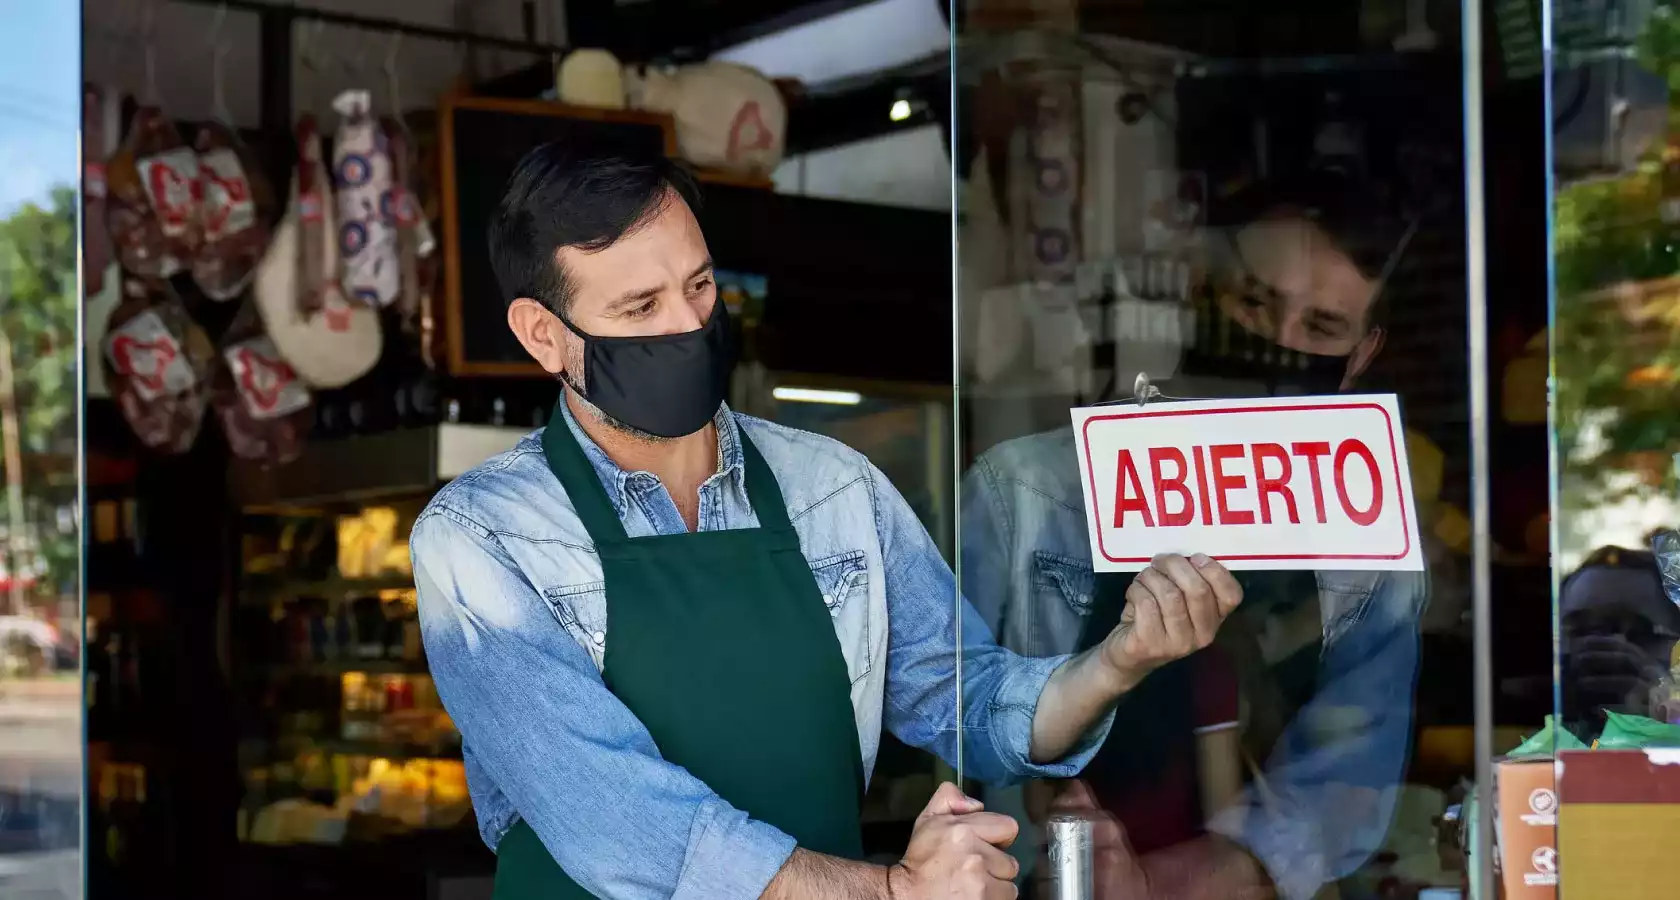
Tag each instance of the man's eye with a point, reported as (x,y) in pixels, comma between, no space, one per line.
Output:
(643,311)
(700,285)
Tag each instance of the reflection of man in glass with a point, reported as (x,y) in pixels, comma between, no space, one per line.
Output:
(1271,760)
(1618,632)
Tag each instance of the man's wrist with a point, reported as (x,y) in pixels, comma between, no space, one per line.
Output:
(1116,679)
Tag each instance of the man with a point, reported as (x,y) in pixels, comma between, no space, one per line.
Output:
(671,634)
(1318,668)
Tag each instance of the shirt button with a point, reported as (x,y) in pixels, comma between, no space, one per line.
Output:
(1084,599)
(600,637)
(828,600)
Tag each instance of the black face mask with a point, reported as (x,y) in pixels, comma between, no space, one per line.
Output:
(1228,360)
(668,385)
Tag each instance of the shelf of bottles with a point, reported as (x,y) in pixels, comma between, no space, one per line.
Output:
(346,739)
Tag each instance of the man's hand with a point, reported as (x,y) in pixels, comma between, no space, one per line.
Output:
(957,852)
(1173,609)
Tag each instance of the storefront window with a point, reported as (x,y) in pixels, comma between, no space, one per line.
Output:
(41,686)
(1615,351)
(1232,202)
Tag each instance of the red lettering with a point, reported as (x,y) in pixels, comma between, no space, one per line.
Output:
(1224,483)
(1202,484)
(1311,451)
(1175,484)
(1265,484)
(1356,447)
(1127,477)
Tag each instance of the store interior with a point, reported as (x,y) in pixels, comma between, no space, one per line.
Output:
(260,720)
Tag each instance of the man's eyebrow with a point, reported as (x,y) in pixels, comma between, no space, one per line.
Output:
(633,298)
(1330,321)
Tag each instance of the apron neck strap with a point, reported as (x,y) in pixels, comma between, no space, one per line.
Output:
(577,475)
(569,464)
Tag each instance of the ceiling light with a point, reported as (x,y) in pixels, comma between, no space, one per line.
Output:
(900,110)
(814,395)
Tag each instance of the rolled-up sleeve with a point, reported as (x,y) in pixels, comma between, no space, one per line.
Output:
(1000,689)
(576,764)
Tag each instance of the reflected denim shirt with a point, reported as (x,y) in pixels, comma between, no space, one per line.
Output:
(514,616)
(1332,780)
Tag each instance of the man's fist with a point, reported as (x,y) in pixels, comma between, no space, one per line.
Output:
(1173,609)
(957,852)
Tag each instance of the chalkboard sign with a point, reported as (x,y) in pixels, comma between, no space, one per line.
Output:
(481,140)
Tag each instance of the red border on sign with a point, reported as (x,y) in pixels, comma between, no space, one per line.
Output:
(1393,450)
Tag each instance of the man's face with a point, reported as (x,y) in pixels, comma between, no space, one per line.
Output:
(1310,297)
(655,280)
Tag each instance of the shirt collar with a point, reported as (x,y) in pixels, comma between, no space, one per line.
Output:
(616,481)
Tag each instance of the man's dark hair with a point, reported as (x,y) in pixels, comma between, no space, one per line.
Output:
(587,195)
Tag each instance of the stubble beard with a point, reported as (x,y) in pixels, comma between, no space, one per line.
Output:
(600,416)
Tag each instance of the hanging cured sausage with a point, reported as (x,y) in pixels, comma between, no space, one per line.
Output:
(328,340)
(362,173)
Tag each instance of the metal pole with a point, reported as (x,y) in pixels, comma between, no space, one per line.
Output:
(1481,541)
(16,533)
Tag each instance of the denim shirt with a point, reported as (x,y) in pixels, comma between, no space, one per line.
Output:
(513,611)
(1323,804)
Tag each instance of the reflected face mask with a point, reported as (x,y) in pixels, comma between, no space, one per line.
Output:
(1228,360)
(667,385)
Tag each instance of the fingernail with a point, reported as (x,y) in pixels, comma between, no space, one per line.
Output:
(1201,560)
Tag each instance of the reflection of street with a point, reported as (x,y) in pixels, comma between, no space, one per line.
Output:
(40,789)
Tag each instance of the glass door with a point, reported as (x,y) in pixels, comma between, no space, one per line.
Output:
(1264,205)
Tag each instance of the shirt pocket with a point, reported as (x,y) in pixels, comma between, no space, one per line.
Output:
(843,580)
(582,611)
(1062,582)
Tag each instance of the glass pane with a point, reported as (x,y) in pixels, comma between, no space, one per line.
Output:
(1237,201)
(41,691)
(1615,268)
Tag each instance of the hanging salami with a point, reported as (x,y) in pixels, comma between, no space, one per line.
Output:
(362,176)
(264,407)
(328,340)
(101,122)
(236,204)
(155,360)
(152,202)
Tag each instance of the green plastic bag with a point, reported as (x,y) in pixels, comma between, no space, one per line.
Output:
(1625,732)
(1548,740)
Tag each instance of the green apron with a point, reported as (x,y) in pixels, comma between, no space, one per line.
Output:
(722,647)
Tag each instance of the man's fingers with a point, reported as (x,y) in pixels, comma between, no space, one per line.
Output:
(949,800)
(1175,610)
(1225,587)
(1200,604)
(993,828)
(1077,796)
(999,865)
(1145,611)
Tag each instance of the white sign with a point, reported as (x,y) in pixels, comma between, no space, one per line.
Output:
(1275,483)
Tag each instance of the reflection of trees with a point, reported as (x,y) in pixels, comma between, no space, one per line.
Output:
(1617,331)
(39,296)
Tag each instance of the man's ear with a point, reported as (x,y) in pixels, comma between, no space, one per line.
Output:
(1363,353)
(539,332)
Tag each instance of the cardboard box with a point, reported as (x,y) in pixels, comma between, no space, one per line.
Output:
(1618,824)
(1526,827)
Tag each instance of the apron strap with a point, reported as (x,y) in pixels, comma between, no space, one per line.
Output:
(762,489)
(578,477)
